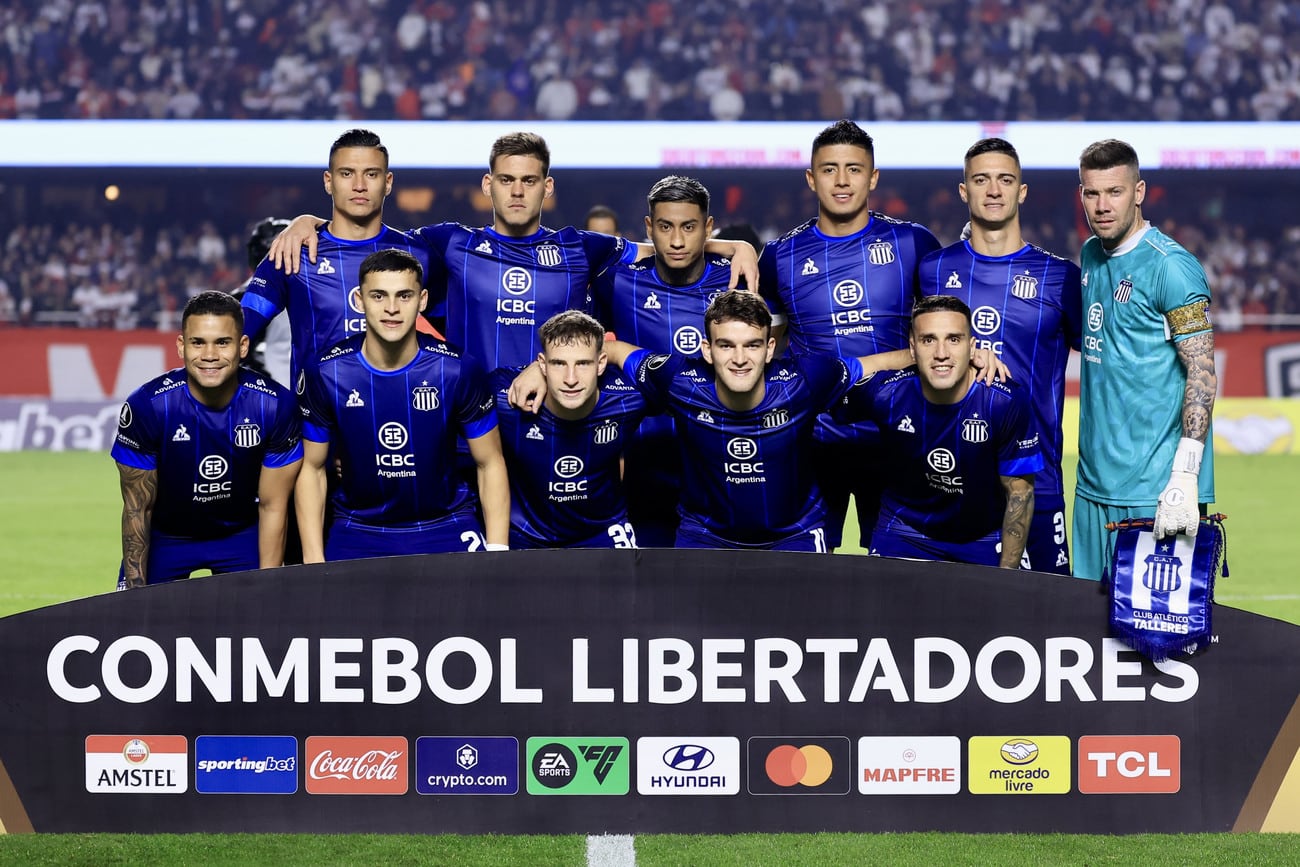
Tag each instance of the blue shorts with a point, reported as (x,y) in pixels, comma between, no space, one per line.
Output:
(617,535)
(692,535)
(173,557)
(1048,548)
(896,540)
(459,531)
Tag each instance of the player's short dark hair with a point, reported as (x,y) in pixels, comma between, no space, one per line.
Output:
(734,305)
(676,188)
(992,146)
(569,327)
(213,303)
(939,303)
(1107,154)
(259,240)
(358,138)
(844,132)
(520,144)
(600,212)
(387,261)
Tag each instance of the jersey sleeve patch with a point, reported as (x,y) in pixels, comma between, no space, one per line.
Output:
(1189,319)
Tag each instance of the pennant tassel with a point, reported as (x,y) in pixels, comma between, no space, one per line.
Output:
(1162,590)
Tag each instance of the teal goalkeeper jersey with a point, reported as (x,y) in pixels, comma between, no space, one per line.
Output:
(1131,382)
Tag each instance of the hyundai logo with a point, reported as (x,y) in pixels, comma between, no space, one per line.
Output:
(688,757)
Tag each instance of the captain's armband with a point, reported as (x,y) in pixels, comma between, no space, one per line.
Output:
(1189,319)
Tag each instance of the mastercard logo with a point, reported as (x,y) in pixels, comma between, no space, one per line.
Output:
(788,765)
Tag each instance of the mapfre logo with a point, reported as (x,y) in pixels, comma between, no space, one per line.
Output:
(356,765)
(1130,764)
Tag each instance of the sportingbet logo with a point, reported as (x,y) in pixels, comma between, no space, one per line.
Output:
(578,766)
(238,765)
(1130,764)
(356,765)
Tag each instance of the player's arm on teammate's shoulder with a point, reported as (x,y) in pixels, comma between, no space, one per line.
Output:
(895,359)
(493,488)
(287,246)
(139,493)
(274,486)
(989,366)
(528,389)
(1016,519)
(744,262)
(309,500)
(1178,509)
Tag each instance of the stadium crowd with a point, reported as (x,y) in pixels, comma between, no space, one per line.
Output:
(991,60)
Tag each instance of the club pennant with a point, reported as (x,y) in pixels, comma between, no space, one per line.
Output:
(1162,590)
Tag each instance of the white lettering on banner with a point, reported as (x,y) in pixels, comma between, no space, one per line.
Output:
(677,671)
(57,427)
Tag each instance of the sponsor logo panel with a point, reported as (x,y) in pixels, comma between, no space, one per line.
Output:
(241,765)
(153,764)
(1019,765)
(688,766)
(1130,764)
(798,766)
(356,765)
(467,765)
(578,766)
(909,765)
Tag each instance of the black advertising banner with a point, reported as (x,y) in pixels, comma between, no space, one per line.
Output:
(636,692)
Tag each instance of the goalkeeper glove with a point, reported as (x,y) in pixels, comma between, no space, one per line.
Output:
(1178,510)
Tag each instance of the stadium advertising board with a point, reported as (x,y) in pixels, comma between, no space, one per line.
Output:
(676,691)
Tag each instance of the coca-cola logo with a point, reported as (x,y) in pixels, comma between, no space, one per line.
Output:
(370,765)
(356,765)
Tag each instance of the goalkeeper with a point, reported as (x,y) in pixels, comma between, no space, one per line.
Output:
(1147,381)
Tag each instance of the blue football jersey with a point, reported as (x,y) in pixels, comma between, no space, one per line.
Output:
(565,484)
(943,463)
(208,460)
(849,296)
(494,291)
(747,476)
(396,431)
(640,308)
(324,299)
(1026,308)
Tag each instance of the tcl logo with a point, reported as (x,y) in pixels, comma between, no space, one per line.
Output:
(356,766)
(1129,764)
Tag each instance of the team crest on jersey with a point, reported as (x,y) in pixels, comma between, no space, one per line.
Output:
(484,247)
(354,399)
(880,252)
(809,267)
(325,267)
(424,397)
(652,302)
(1124,290)
(975,430)
(954,282)
(516,281)
(181,435)
(775,418)
(605,433)
(906,425)
(704,416)
(549,255)
(534,433)
(247,435)
(1024,286)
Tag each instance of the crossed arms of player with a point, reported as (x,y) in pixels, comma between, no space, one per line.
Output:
(140,493)
(1178,509)
(287,246)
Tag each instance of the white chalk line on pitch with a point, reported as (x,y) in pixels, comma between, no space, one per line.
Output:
(611,850)
(1272,597)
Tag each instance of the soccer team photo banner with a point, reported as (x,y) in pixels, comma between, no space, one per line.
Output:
(677,691)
